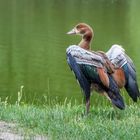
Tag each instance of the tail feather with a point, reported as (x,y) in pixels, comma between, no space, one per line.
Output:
(114,94)
(132,89)
(131,85)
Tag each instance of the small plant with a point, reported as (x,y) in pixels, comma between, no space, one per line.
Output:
(19,95)
(4,103)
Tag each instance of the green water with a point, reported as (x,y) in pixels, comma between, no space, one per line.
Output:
(33,41)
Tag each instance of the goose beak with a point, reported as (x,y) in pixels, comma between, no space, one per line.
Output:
(73,31)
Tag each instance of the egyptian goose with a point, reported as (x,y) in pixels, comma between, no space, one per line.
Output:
(89,68)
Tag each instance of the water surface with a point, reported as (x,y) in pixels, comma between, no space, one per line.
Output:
(33,41)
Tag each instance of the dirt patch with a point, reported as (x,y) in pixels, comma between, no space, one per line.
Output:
(7,132)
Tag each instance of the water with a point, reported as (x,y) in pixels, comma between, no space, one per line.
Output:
(33,41)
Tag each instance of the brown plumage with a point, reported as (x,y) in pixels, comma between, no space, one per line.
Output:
(103,76)
(119,77)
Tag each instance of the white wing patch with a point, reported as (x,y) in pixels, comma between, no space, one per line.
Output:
(83,56)
(116,55)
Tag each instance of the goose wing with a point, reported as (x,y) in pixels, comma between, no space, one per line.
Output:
(120,59)
(88,68)
(77,58)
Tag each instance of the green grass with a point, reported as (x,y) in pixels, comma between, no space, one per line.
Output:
(68,122)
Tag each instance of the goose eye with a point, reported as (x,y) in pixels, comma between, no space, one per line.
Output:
(82,31)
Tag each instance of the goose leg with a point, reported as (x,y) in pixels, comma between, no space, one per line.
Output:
(107,96)
(87,105)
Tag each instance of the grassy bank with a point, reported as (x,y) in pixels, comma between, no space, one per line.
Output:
(66,121)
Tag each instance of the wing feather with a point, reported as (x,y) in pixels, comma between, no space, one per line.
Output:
(84,84)
(88,68)
(120,59)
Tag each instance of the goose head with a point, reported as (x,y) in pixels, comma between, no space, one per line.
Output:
(85,31)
